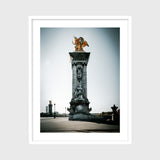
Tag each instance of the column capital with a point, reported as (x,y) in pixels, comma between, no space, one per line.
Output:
(75,63)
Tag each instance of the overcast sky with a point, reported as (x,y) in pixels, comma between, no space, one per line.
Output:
(103,70)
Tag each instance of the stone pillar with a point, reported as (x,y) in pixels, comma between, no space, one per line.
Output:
(50,107)
(79,105)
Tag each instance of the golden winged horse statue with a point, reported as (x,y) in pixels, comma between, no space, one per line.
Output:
(79,43)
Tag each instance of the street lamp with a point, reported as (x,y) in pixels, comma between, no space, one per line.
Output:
(65,111)
(54,110)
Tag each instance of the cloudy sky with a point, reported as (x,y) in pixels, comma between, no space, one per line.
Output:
(103,70)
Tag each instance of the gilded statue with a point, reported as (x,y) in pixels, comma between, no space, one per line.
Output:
(79,43)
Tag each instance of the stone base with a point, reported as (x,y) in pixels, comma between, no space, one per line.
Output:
(80,117)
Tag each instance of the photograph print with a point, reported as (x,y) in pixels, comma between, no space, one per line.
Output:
(80,80)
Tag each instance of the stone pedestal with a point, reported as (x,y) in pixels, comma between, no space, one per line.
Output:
(79,105)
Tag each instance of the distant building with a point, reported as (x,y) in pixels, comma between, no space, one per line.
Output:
(47,109)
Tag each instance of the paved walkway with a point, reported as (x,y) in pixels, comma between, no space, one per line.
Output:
(62,124)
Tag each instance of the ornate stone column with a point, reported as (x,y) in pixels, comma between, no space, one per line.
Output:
(79,105)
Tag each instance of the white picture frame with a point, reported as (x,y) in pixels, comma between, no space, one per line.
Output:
(124,23)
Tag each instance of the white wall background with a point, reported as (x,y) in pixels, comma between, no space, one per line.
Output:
(14,79)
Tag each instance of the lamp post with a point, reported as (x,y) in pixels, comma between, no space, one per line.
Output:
(65,111)
(54,110)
